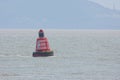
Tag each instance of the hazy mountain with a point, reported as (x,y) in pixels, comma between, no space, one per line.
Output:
(79,14)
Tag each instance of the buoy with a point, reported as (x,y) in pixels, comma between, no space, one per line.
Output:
(42,46)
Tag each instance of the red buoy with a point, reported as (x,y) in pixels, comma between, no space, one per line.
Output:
(42,46)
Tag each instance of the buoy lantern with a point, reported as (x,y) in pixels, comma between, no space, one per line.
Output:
(42,46)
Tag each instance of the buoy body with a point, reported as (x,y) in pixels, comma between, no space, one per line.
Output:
(42,46)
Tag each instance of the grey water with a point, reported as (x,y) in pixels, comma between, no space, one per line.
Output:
(78,55)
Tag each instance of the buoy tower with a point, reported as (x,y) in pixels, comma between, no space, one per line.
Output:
(42,46)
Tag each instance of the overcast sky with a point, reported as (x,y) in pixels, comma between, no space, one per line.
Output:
(109,3)
(57,13)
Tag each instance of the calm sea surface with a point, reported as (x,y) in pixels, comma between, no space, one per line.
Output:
(79,55)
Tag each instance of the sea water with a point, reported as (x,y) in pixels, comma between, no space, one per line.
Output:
(78,55)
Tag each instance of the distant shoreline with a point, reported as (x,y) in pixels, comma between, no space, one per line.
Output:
(61,29)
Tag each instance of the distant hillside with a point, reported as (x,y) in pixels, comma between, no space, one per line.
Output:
(78,14)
